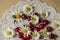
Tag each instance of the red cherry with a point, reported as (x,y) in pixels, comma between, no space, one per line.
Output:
(20,35)
(28,37)
(36,28)
(45,22)
(24,39)
(30,25)
(49,29)
(17,29)
(24,16)
(41,26)
(52,36)
(29,18)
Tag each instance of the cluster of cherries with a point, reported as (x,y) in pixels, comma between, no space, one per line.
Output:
(21,35)
(23,16)
(41,25)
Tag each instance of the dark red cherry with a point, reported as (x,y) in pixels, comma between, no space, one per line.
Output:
(49,29)
(41,26)
(36,28)
(45,22)
(17,29)
(52,36)
(20,35)
(24,39)
(30,25)
(24,16)
(28,37)
(29,18)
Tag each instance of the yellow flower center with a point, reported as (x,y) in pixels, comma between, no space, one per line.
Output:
(18,16)
(24,31)
(43,14)
(28,9)
(35,35)
(9,33)
(56,25)
(44,32)
(33,19)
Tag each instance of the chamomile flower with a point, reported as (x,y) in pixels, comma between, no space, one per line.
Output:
(35,19)
(27,9)
(36,35)
(47,12)
(9,33)
(26,31)
(44,14)
(56,24)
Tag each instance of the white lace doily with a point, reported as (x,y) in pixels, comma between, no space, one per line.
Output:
(7,20)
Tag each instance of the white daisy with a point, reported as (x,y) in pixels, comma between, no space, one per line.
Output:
(9,33)
(55,24)
(26,31)
(36,35)
(44,14)
(48,12)
(27,9)
(34,19)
